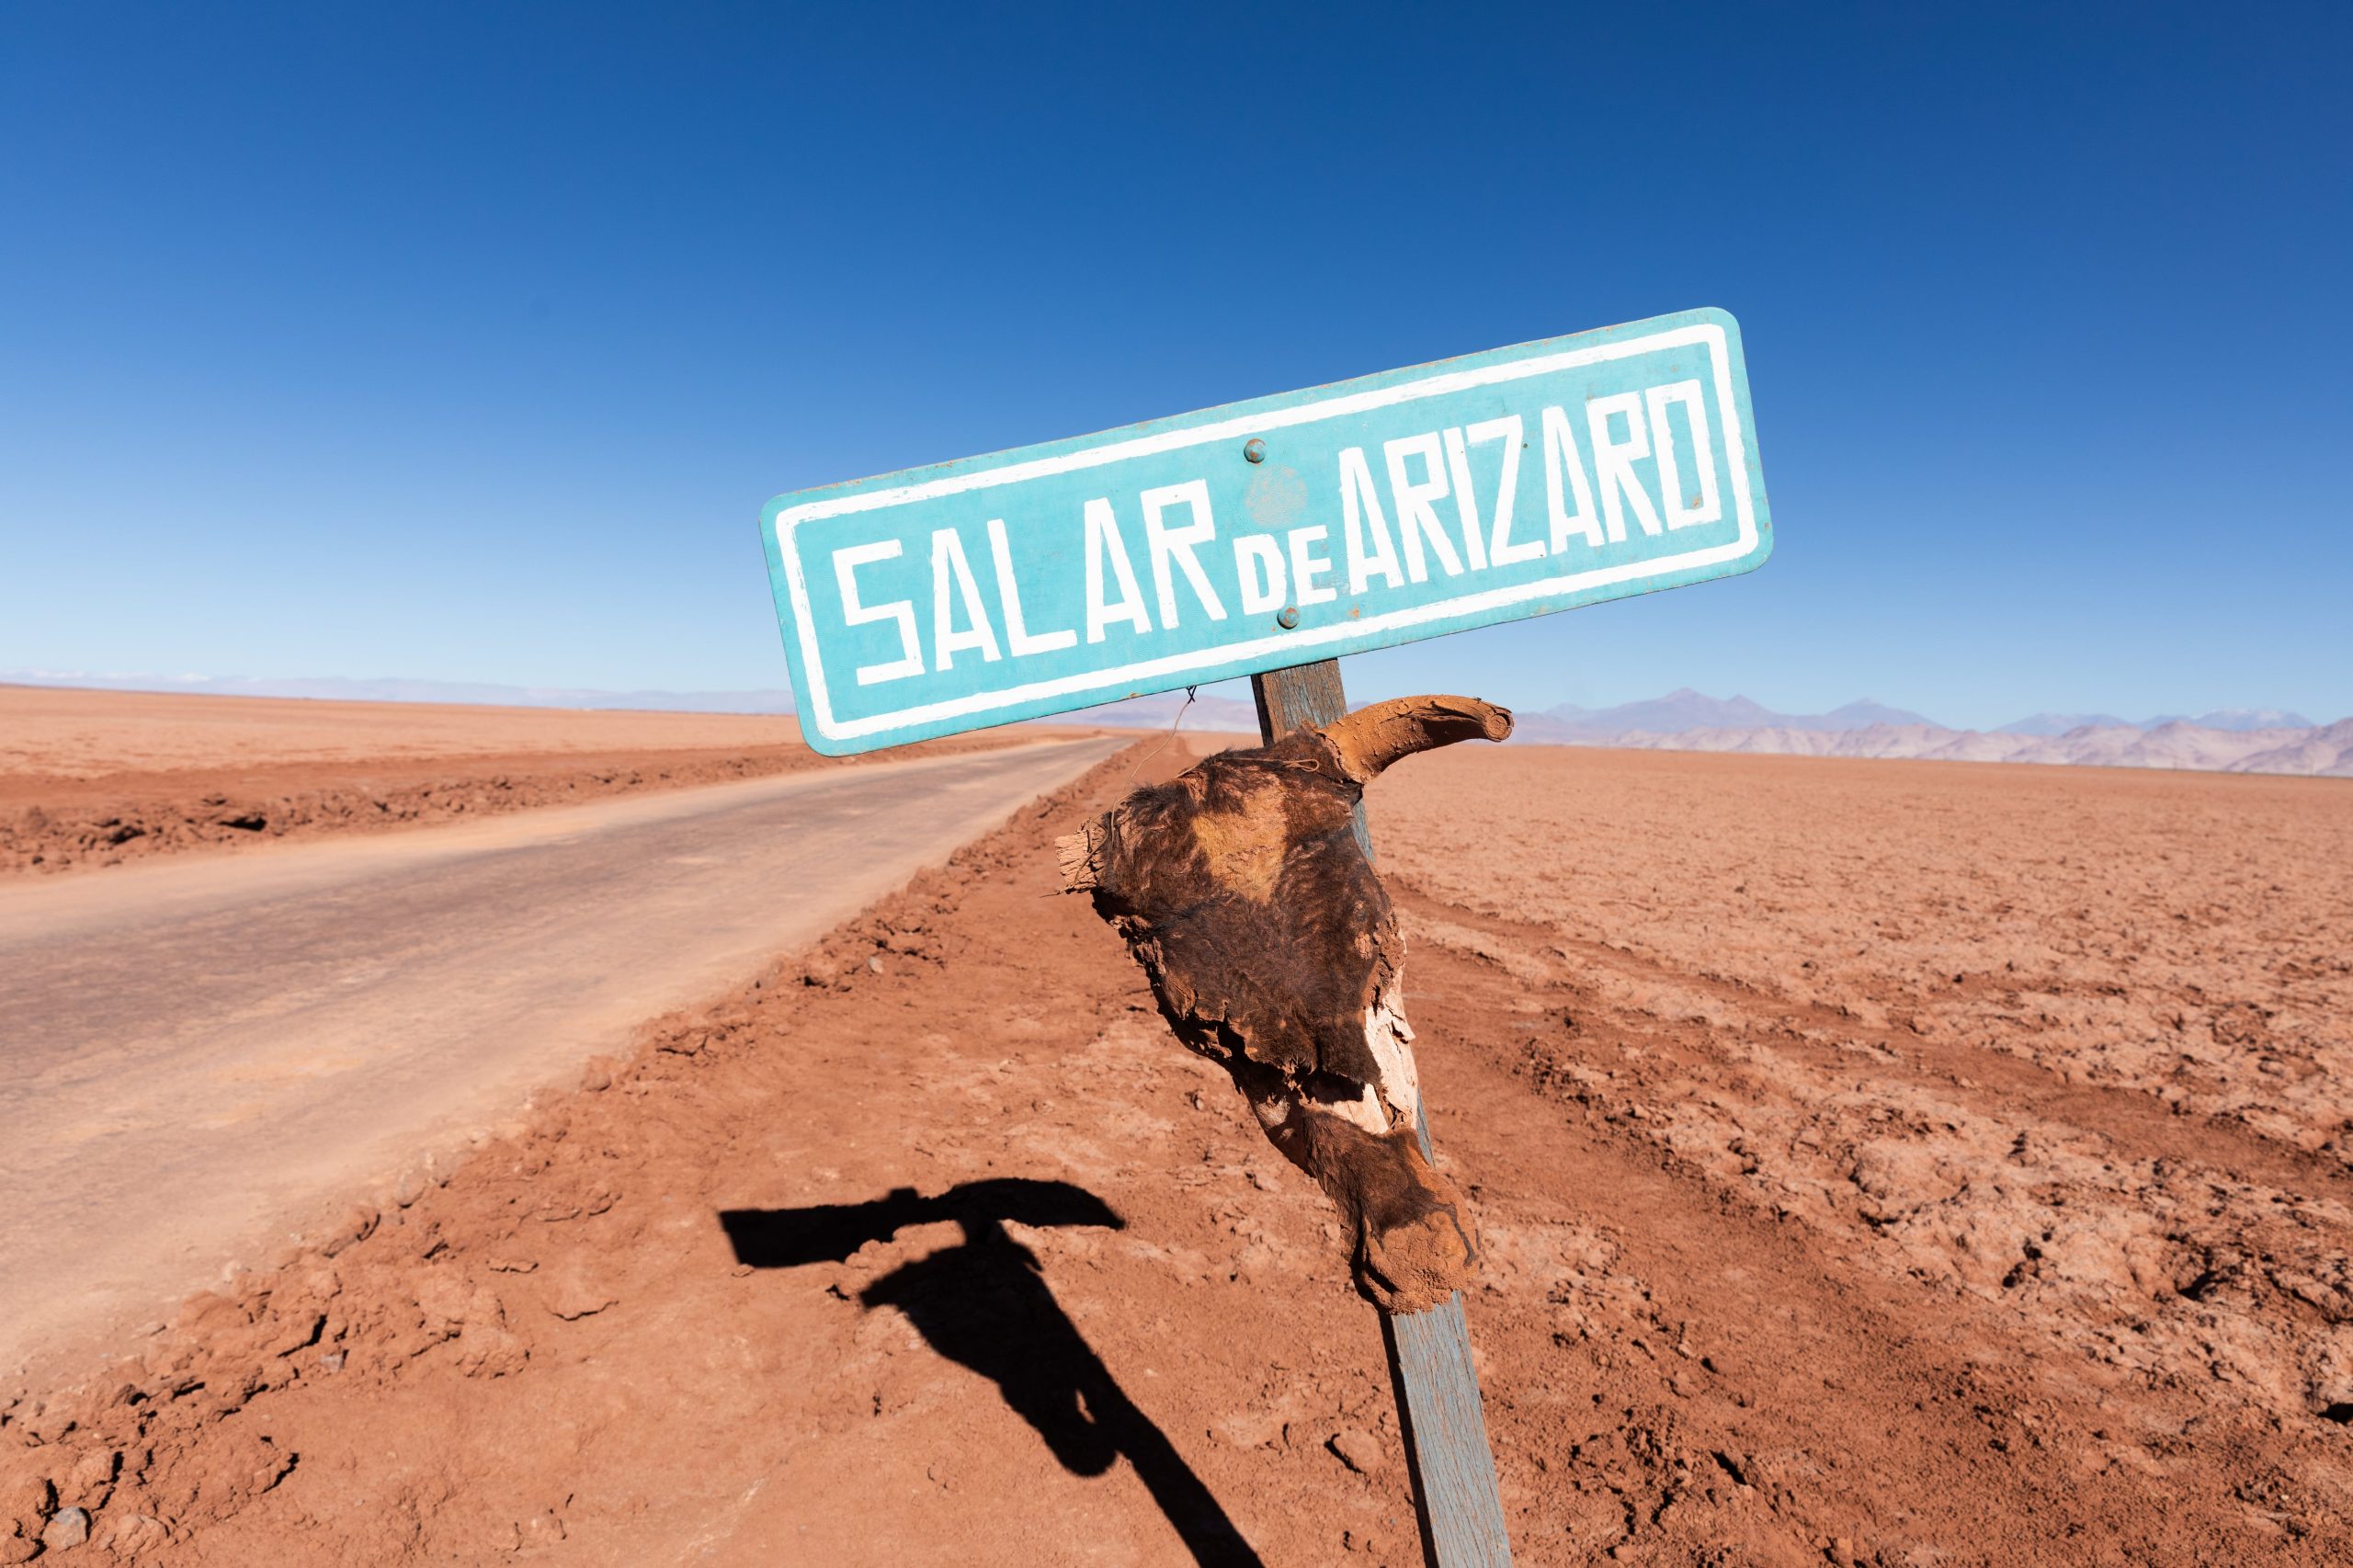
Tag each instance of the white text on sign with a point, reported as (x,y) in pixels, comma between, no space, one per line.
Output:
(1445,501)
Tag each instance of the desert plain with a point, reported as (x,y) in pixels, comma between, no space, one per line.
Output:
(1873,1162)
(93,778)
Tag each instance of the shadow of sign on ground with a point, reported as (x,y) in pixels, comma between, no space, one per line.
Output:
(985,1304)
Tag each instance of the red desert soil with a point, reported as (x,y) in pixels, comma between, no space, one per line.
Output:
(1876,1164)
(96,778)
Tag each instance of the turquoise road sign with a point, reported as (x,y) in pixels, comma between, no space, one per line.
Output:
(1275,532)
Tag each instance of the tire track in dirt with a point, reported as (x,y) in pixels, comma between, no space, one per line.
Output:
(1752,1397)
(1937,1390)
(2140,1124)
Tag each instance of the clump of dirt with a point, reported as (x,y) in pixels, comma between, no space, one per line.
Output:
(930,1245)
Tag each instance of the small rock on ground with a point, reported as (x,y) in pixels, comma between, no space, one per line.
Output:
(68,1529)
(1358,1450)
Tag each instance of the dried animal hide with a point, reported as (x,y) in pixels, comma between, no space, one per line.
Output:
(1241,888)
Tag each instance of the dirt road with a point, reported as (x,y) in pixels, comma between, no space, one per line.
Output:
(191,1050)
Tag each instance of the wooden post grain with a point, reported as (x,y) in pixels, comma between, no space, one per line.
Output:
(1430,1369)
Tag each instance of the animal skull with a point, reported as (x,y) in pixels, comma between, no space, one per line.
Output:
(1243,890)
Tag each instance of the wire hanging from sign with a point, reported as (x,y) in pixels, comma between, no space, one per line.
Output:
(1171,736)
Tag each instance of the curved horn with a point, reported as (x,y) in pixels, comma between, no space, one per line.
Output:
(1371,738)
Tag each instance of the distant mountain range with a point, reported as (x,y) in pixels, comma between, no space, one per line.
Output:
(1679,712)
(2234,740)
(2233,719)
(2230,740)
(1683,711)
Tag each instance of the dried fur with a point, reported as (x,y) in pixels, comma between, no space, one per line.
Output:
(1272,948)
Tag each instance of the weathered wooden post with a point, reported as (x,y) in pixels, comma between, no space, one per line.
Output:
(1430,1369)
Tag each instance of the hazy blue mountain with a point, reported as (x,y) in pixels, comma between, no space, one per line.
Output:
(2241,719)
(2048,724)
(1861,716)
(1671,714)
(2238,741)
(2237,721)
(1680,711)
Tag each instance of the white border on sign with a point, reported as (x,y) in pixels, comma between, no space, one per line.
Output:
(1735,454)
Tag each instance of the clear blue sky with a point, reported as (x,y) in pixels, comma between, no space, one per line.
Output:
(465,343)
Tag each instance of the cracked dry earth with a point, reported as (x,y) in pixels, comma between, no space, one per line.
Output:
(1890,1164)
(1998,1137)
